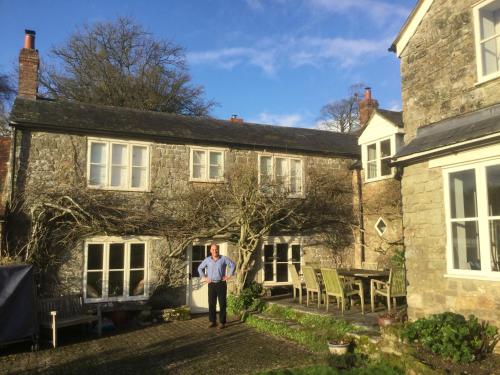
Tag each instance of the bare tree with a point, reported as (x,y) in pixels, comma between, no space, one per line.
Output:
(119,63)
(342,115)
(7,92)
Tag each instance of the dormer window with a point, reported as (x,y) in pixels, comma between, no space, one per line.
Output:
(487,29)
(378,158)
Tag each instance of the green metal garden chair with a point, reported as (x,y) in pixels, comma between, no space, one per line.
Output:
(341,288)
(312,284)
(297,283)
(395,287)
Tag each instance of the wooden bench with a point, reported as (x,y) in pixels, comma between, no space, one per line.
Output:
(66,311)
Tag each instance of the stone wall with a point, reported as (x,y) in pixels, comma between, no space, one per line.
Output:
(382,199)
(438,68)
(57,162)
(429,291)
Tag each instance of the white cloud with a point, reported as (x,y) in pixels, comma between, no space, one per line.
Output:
(255,4)
(291,120)
(271,55)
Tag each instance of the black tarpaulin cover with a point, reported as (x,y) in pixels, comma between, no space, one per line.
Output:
(17,303)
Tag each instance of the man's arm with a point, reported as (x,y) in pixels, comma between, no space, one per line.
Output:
(232,268)
(201,268)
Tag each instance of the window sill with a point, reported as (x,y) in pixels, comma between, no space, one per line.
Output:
(132,190)
(217,181)
(473,277)
(486,79)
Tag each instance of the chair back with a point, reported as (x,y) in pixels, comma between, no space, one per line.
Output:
(332,281)
(295,276)
(397,281)
(310,278)
(369,265)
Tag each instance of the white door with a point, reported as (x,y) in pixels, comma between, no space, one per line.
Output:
(197,291)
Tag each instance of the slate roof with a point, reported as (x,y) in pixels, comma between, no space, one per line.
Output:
(393,116)
(73,117)
(454,131)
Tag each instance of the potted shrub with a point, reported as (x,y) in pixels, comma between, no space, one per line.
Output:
(339,345)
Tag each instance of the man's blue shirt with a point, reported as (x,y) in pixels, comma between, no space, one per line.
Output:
(216,269)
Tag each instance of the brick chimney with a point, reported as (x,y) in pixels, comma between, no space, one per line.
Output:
(29,62)
(236,120)
(366,107)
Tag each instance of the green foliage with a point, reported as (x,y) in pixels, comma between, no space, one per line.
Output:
(247,300)
(398,259)
(452,336)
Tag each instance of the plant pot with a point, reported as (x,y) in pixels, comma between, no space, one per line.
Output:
(384,321)
(338,347)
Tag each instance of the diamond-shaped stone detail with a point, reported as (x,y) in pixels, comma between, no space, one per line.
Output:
(381,226)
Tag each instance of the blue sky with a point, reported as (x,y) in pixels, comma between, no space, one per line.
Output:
(269,61)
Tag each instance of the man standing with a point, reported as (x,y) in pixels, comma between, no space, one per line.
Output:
(216,277)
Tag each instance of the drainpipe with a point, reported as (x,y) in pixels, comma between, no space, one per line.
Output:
(13,164)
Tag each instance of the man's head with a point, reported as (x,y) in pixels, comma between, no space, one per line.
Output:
(214,250)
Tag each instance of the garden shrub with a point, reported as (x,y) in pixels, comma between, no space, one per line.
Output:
(249,299)
(452,336)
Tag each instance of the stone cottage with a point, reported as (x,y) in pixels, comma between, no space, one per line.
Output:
(140,158)
(450,163)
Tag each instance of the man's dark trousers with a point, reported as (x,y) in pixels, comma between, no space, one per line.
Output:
(217,290)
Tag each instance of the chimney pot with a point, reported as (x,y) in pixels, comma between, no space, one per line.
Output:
(368,93)
(29,39)
(236,120)
(366,107)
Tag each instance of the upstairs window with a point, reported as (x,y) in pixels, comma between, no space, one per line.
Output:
(118,165)
(284,171)
(487,28)
(378,158)
(207,165)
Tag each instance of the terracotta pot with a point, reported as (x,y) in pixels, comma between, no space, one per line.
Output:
(338,348)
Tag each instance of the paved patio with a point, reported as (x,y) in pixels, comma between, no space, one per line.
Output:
(186,347)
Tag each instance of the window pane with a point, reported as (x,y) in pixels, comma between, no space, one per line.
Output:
(295,253)
(282,272)
(94,284)
(215,164)
(139,156)
(282,252)
(372,151)
(385,148)
(139,177)
(490,56)
(463,194)
(98,153)
(136,284)
(296,177)
(281,167)
(297,267)
(266,165)
(215,158)
(198,171)
(116,255)
(199,157)
(94,256)
(97,174)
(466,245)
(137,255)
(194,269)
(268,272)
(487,23)
(268,253)
(296,168)
(118,176)
(119,154)
(495,245)
(493,178)
(198,252)
(372,169)
(386,168)
(115,285)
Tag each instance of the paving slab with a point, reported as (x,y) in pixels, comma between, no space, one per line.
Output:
(181,347)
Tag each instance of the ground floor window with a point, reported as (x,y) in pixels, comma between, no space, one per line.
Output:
(277,255)
(115,270)
(473,219)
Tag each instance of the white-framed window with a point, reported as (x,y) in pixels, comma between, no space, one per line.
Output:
(472,198)
(115,270)
(487,37)
(118,165)
(377,157)
(206,164)
(277,254)
(380,226)
(281,170)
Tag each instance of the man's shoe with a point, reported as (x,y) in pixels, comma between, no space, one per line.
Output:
(212,325)
(221,326)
